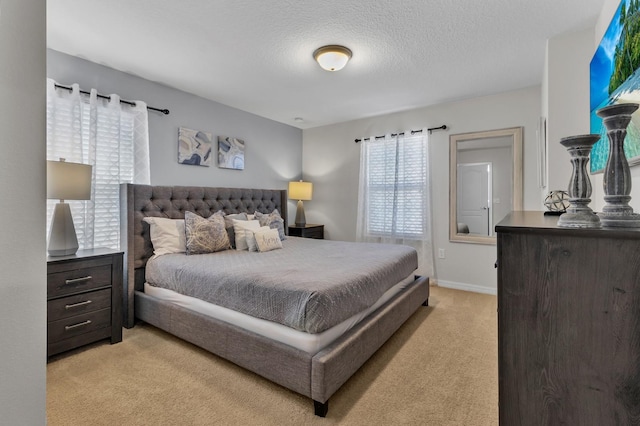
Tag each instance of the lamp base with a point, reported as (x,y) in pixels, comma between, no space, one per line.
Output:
(301,221)
(62,235)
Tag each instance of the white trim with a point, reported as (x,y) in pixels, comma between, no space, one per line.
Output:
(466,287)
(541,133)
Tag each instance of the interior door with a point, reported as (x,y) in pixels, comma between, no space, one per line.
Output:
(474,197)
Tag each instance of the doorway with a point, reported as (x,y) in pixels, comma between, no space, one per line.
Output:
(474,198)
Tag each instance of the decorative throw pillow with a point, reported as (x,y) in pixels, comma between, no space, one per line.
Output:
(205,235)
(240,227)
(167,235)
(273,220)
(268,240)
(251,238)
(228,223)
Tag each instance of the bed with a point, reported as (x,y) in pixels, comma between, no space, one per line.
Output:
(316,370)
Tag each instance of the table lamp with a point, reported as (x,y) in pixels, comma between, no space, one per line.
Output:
(65,181)
(300,191)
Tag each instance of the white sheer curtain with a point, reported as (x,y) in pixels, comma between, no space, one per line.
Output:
(394,197)
(114,139)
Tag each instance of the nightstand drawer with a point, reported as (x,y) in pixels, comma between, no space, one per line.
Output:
(77,325)
(73,281)
(307,231)
(317,233)
(69,306)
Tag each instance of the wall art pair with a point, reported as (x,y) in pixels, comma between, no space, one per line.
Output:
(195,148)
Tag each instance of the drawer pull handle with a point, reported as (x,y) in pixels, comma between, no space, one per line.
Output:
(80,324)
(78,280)
(75,305)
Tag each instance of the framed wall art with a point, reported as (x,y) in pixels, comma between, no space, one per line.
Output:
(615,79)
(194,147)
(230,153)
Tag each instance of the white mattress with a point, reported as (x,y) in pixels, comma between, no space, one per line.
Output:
(310,343)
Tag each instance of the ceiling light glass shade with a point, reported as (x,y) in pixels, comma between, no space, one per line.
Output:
(332,58)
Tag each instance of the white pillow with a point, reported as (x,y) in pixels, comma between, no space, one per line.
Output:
(268,240)
(167,235)
(251,217)
(239,227)
(251,239)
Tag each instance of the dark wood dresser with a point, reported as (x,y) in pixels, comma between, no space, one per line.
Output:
(84,299)
(568,323)
(308,231)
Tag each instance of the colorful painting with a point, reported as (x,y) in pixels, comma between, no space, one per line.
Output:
(194,147)
(615,78)
(230,153)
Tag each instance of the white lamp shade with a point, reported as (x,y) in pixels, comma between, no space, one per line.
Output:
(68,181)
(300,190)
(332,58)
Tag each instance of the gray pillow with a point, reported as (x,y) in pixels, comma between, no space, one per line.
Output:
(273,220)
(205,235)
(228,224)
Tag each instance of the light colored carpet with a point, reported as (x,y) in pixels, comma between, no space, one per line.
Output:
(440,368)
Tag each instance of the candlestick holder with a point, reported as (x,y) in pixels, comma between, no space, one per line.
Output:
(578,214)
(617,213)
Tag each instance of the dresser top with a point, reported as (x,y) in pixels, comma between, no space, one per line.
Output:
(537,222)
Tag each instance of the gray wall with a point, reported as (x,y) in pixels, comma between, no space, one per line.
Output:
(567,96)
(273,152)
(566,103)
(331,162)
(608,10)
(23,286)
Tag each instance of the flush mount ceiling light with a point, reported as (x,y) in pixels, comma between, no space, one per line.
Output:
(333,57)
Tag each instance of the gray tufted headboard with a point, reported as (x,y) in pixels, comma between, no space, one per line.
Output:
(139,201)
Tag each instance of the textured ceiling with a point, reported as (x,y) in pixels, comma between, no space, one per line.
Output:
(256,55)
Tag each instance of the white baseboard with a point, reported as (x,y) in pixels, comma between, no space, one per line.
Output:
(466,287)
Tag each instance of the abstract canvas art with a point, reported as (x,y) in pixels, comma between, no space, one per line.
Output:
(194,147)
(230,153)
(615,79)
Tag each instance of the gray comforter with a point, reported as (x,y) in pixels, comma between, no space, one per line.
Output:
(309,285)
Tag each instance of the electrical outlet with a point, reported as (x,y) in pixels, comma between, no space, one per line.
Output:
(441,253)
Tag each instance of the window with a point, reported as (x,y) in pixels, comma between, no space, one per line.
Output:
(395,183)
(110,137)
(394,195)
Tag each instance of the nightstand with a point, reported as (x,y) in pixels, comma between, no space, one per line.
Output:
(84,299)
(308,231)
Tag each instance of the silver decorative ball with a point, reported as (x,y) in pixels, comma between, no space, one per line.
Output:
(557,201)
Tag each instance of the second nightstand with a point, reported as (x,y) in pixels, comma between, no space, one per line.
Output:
(308,231)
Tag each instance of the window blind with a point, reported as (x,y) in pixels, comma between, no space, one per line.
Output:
(395,182)
(102,136)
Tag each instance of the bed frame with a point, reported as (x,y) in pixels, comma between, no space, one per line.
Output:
(316,376)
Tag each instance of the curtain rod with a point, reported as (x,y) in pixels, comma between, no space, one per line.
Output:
(431,129)
(84,92)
